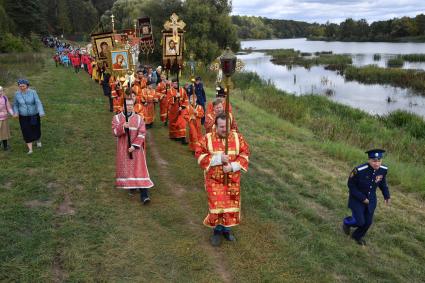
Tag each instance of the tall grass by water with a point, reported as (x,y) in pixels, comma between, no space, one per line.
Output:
(413,57)
(396,77)
(396,62)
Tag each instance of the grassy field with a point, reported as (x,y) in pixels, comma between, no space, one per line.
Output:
(63,221)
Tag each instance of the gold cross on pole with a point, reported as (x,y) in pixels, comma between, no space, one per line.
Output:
(113,22)
(174,25)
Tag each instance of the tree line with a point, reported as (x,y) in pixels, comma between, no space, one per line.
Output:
(397,29)
(21,22)
(209,26)
(251,27)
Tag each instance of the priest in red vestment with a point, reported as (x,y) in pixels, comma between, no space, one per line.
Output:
(131,173)
(224,200)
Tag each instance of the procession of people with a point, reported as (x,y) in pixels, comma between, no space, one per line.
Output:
(209,132)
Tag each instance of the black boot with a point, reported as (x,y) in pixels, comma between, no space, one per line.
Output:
(229,236)
(346,229)
(216,238)
(5,146)
(144,196)
(183,141)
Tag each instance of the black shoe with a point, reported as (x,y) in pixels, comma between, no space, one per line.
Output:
(346,229)
(183,140)
(360,242)
(146,200)
(216,239)
(165,123)
(229,236)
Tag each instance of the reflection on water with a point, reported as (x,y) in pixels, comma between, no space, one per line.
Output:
(298,80)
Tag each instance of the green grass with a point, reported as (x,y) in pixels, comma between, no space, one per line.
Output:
(393,76)
(294,197)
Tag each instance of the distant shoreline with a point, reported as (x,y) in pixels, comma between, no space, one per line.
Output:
(417,39)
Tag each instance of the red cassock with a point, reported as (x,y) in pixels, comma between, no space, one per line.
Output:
(130,173)
(224,201)
(161,90)
(176,121)
(149,97)
(193,117)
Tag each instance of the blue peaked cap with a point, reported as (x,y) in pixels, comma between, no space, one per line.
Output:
(375,153)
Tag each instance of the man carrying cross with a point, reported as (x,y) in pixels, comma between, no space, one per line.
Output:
(131,169)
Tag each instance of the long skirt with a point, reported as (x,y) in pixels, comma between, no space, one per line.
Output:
(4,130)
(31,131)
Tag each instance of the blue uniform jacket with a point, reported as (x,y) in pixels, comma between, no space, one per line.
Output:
(362,185)
(200,93)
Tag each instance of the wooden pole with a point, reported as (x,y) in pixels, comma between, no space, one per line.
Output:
(226,148)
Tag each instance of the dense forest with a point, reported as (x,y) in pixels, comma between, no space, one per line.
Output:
(250,27)
(209,27)
(397,29)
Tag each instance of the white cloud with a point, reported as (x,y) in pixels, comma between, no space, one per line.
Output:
(334,10)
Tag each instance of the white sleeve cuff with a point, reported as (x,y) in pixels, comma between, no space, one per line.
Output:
(216,160)
(235,166)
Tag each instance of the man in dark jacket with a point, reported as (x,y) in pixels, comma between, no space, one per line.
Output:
(362,184)
(198,88)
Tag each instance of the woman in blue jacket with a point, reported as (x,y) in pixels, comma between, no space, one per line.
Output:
(28,107)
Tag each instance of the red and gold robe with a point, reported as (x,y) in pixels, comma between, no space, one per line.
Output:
(224,202)
(149,98)
(161,91)
(130,173)
(193,116)
(176,121)
(139,101)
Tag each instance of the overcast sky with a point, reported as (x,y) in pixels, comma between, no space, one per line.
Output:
(333,10)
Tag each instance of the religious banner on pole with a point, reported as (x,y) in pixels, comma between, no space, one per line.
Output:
(173,43)
(147,44)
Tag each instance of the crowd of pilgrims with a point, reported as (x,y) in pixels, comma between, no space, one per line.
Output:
(183,108)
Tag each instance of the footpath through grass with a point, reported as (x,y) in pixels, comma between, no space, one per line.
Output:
(62,220)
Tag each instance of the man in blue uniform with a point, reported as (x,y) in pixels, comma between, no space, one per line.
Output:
(362,184)
(198,88)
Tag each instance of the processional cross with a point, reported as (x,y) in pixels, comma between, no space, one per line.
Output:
(174,25)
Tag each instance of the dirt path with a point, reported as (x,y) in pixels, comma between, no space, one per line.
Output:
(217,257)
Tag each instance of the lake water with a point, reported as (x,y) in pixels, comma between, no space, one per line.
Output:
(370,98)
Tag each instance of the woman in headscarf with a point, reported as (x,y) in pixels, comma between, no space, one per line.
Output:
(5,110)
(28,107)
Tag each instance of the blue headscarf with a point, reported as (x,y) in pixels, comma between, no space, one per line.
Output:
(23,82)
